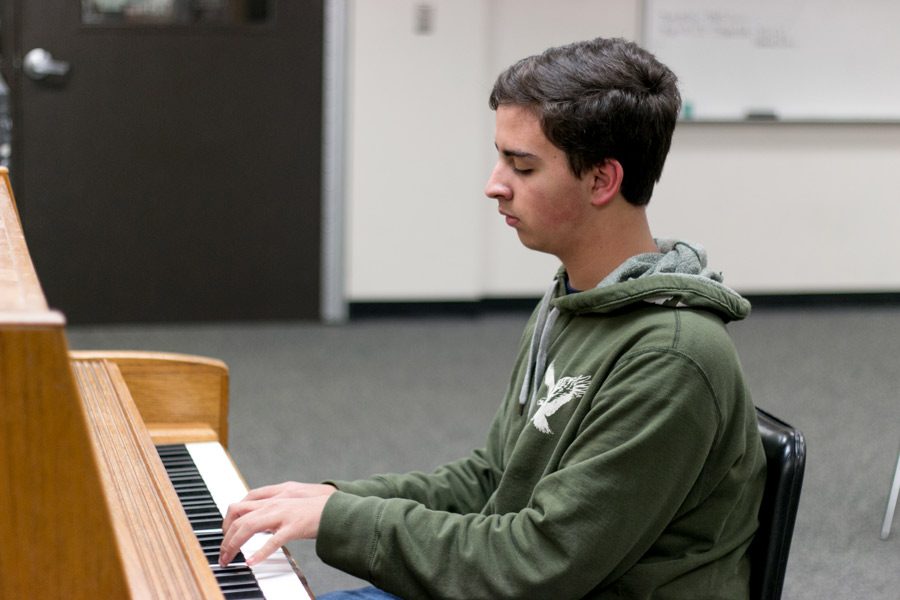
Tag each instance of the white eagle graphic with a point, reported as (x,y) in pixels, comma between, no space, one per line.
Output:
(559,393)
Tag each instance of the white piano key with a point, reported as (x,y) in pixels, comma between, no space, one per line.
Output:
(276,576)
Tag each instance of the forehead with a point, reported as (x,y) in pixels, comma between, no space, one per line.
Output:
(518,129)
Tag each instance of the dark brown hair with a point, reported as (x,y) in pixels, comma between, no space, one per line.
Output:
(597,100)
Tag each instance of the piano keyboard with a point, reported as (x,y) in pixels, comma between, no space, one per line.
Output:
(206,483)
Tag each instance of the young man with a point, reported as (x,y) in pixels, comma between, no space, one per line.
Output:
(625,461)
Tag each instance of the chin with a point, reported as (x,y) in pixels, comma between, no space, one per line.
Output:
(535,245)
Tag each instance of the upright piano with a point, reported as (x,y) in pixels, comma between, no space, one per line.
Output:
(103,457)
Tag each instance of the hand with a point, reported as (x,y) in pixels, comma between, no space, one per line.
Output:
(288,511)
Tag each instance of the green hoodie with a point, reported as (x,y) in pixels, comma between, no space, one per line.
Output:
(624,462)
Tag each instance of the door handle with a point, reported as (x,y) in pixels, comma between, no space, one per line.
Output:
(39,64)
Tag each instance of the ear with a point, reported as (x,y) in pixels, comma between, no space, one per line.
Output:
(606,181)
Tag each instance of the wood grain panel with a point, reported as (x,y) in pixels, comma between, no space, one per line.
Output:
(55,524)
(181,398)
(160,551)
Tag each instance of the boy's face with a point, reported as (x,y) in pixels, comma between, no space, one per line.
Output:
(536,191)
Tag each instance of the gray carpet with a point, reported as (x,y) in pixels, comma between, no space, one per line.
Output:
(311,401)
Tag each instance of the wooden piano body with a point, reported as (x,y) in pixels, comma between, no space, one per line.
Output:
(86,508)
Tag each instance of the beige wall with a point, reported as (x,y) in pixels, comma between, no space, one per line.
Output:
(780,207)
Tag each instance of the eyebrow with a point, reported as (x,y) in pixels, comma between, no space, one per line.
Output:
(515,153)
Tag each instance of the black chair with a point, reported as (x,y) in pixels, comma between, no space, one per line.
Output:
(785,450)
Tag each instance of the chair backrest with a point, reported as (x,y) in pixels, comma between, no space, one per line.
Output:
(785,450)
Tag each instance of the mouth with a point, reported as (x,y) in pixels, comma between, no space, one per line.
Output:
(510,220)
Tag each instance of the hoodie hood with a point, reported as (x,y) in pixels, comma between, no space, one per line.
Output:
(677,276)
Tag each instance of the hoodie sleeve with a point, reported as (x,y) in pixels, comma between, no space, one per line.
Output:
(462,486)
(632,465)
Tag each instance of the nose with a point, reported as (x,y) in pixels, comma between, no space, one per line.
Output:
(495,187)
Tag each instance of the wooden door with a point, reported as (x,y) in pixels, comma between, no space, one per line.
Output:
(173,171)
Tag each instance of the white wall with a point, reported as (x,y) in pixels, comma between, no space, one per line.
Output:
(787,208)
(416,122)
(781,208)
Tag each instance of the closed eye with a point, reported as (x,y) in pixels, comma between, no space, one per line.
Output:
(519,161)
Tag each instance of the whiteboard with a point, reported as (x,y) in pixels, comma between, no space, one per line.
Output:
(803,60)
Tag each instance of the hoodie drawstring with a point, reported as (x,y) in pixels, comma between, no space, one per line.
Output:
(537,351)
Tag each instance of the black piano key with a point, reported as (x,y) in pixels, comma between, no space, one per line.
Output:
(193,493)
(243,591)
(199,505)
(201,508)
(204,514)
(246,594)
(239,578)
(199,524)
(237,574)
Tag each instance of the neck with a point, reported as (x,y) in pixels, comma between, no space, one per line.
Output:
(610,243)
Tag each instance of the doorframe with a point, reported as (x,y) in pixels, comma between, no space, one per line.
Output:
(333,302)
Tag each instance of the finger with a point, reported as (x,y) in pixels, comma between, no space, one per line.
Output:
(271,545)
(235,511)
(226,555)
(231,545)
(266,491)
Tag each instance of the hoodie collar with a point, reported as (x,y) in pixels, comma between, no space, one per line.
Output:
(676,276)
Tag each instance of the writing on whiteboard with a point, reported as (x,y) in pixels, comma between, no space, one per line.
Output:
(723,25)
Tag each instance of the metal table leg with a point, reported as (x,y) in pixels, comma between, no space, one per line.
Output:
(892,503)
